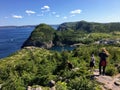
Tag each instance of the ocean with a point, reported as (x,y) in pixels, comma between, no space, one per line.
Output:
(12,38)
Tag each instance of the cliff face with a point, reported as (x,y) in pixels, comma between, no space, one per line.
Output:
(42,36)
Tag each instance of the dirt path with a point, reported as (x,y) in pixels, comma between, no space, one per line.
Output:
(107,82)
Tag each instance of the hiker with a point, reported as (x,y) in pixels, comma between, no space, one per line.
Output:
(92,61)
(102,64)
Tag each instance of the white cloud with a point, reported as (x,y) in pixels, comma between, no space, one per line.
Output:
(77,11)
(65,17)
(17,16)
(57,15)
(29,12)
(45,8)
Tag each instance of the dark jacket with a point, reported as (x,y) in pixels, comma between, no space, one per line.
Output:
(103,56)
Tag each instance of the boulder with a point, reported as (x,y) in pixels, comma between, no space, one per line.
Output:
(117,82)
(52,85)
(34,88)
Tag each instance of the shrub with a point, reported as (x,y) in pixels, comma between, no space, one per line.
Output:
(81,83)
(111,70)
(61,85)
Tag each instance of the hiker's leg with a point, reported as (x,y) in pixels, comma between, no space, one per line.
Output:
(99,69)
(104,70)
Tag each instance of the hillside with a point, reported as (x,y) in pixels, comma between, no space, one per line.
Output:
(37,66)
(74,33)
(90,26)
(82,32)
(42,36)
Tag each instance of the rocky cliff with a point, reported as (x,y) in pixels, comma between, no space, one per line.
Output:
(42,36)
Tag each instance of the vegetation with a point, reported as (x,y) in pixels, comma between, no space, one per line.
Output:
(87,32)
(41,36)
(33,66)
(73,33)
(89,27)
(38,66)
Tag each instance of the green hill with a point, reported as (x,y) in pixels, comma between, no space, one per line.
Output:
(37,66)
(90,26)
(72,33)
(42,36)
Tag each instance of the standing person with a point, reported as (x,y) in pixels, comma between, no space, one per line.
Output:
(92,61)
(103,55)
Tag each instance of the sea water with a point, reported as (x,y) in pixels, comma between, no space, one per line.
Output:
(11,39)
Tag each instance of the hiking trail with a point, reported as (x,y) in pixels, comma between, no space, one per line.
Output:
(107,82)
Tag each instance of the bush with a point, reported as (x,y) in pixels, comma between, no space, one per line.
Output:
(81,83)
(111,70)
(118,68)
(61,85)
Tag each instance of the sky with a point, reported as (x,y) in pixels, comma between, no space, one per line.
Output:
(34,12)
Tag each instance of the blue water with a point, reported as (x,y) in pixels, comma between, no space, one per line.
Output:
(11,39)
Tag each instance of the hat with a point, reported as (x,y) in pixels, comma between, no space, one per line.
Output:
(104,49)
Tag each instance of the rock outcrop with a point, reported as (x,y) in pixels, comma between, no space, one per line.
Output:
(52,85)
(108,82)
(34,88)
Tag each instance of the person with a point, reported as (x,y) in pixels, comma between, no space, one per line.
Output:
(92,61)
(102,64)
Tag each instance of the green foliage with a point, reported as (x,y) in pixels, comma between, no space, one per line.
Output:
(81,83)
(111,70)
(20,70)
(61,86)
(89,27)
(72,33)
(118,68)
(43,32)
(98,36)
(36,66)
(42,35)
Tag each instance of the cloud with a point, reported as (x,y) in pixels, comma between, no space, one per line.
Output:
(65,17)
(45,8)
(77,11)
(29,12)
(57,15)
(17,16)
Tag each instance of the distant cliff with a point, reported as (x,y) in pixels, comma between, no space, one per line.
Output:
(90,26)
(72,33)
(42,36)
